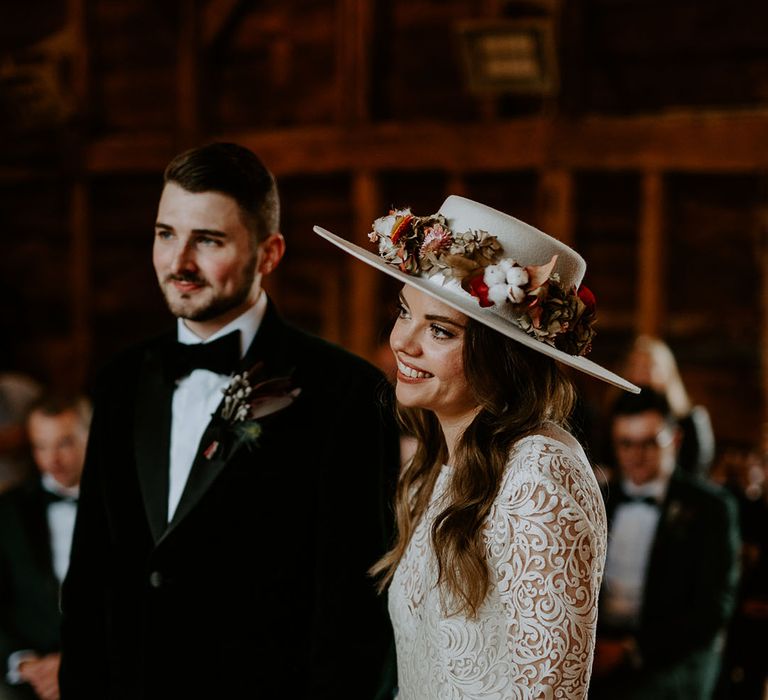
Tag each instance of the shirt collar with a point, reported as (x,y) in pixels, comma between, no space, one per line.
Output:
(247,323)
(52,486)
(656,488)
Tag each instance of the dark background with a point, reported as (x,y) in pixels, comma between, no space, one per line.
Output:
(649,156)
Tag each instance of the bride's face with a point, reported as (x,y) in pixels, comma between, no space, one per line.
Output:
(428,341)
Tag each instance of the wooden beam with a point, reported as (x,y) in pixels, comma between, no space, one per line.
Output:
(650,280)
(686,143)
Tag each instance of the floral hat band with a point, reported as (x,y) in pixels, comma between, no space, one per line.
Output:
(532,295)
(495,269)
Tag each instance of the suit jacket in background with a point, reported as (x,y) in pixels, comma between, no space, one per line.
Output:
(258,587)
(689,594)
(29,589)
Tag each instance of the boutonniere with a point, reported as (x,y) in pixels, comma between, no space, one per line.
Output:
(247,398)
(674,511)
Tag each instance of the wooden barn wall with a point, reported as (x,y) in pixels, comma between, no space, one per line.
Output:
(650,160)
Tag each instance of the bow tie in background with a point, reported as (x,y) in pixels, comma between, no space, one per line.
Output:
(51,497)
(220,356)
(648,500)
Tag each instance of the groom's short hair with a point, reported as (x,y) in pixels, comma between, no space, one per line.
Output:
(237,172)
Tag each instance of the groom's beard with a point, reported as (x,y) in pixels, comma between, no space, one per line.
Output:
(207,303)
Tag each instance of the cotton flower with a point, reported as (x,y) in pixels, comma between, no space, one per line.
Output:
(517,279)
(517,276)
(516,294)
(494,274)
(498,293)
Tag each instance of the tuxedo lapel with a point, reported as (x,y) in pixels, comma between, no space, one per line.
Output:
(204,470)
(269,344)
(665,545)
(36,516)
(219,445)
(152,440)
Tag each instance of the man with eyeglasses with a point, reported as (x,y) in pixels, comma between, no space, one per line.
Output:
(671,570)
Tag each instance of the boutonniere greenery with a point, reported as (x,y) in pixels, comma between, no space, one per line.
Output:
(247,398)
(674,511)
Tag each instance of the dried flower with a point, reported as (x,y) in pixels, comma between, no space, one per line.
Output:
(437,239)
(542,307)
(246,400)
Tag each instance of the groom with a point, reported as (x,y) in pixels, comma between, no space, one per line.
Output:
(223,539)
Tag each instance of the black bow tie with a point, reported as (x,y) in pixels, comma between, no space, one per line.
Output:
(220,356)
(648,500)
(51,497)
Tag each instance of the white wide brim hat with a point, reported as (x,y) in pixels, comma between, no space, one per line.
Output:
(521,243)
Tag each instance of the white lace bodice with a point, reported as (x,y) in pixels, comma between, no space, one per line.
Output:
(534,635)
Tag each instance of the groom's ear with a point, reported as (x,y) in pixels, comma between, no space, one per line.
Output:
(271,252)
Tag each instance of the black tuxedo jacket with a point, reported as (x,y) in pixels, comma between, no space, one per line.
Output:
(689,592)
(29,589)
(257,588)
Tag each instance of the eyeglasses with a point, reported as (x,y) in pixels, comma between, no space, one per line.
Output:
(655,442)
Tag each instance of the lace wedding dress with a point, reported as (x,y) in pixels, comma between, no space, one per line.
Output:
(545,539)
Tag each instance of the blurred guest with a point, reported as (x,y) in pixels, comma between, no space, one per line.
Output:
(671,570)
(17,392)
(36,523)
(651,363)
(745,673)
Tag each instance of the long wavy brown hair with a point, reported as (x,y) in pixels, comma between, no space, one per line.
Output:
(517,389)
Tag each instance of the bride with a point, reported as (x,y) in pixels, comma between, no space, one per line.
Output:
(494,574)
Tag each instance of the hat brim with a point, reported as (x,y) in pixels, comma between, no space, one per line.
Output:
(471,308)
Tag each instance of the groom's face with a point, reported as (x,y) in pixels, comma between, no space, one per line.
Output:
(204,258)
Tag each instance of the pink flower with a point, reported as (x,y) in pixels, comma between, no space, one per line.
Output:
(436,239)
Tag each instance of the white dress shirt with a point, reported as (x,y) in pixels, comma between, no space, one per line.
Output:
(630,540)
(61,523)
(198,395)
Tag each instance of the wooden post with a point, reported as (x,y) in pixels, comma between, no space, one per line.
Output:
(650,280)
(354,70)
(81,59)
(363,298)
(456,184)
(555,204)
